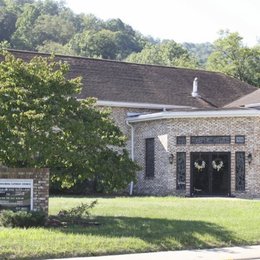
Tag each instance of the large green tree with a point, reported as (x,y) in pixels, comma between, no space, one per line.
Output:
(199,50)
(54,47)
(7,23)
(52,28)
(22,37)
(41,21)
(95,44)
(167,53)
(42,124)
(108,40)
(233,58)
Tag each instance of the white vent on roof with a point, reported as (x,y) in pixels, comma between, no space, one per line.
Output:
(194,92)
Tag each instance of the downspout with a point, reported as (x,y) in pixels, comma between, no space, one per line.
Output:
(132,154)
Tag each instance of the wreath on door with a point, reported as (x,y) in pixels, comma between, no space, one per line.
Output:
(199,165)
(217,164)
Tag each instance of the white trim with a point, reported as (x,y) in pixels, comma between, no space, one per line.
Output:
(137,105)
(132,154)
(18,183)
(132,140)
(194,114)
(252,105)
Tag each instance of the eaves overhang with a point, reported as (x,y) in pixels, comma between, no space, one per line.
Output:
(139,105)
(122,104)
(195,114)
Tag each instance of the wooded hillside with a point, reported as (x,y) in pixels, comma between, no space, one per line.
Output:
(50,26)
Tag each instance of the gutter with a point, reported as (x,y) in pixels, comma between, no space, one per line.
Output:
(139,105)
(132,154)
(253,105)
(195,114)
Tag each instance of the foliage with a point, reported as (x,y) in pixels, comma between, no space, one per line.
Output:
(92,23)
(23,219)
(42,124)
(167,53)
(109,42)
(30,24)
(95,44)
(49,26)
(7,24)
(54,47)
(52,28)
(78,212)
(199,50)
(22,37)
(4,45)
(231,57)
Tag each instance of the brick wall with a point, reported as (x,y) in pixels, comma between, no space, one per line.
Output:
(119,115)
(164,181)
(40,179)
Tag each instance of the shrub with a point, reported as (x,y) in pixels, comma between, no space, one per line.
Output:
(78,212)
(22,219)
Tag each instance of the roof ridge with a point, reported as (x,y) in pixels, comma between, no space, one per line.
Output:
(117,61)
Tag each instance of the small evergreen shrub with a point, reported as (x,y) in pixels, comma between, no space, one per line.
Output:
(22,219)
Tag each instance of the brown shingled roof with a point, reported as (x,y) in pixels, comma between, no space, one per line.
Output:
(252,98)
(128,82)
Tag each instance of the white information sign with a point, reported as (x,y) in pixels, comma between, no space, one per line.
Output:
(16,194)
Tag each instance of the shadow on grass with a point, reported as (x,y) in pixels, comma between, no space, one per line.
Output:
(94,196)
(158,235)
(163,234)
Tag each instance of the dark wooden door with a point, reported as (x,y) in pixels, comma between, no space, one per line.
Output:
(210,174)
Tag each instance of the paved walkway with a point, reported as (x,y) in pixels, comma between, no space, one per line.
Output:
(227,253)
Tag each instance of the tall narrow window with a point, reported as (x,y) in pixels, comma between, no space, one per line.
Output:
(149,157)
(181,171)
(240,171)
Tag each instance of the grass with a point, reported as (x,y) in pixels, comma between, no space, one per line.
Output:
(130,225)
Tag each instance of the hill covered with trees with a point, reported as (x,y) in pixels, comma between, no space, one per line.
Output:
(50,26)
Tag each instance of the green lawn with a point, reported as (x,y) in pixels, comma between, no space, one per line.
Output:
(142,224)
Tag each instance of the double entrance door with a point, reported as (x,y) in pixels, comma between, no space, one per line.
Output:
(210,174)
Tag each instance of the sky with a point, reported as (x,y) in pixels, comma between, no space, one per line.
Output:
(180,20)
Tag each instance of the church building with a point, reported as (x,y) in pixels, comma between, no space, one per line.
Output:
(193,132)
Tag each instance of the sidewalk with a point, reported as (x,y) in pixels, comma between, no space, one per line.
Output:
(227,253)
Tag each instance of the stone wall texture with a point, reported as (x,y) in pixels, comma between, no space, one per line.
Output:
(40,179)
(165,133)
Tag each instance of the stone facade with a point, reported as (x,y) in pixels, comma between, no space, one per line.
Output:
(40,179)
(165,131)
